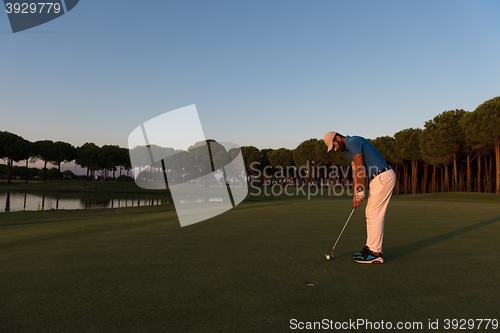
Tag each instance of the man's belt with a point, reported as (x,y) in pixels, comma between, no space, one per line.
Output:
(380,171)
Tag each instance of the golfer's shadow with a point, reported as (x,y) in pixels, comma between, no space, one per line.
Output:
(403,250)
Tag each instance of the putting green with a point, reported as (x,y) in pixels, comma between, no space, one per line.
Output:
(136,270)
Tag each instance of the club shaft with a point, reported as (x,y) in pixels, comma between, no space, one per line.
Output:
(333,249)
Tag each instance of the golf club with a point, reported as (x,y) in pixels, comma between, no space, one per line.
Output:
(327,256)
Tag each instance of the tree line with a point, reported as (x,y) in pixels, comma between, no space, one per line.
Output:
(457,150)
(199,160)
(106,159)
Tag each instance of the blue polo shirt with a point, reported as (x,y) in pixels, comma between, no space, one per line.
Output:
(373,160)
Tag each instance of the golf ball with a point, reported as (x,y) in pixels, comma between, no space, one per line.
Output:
(327,256)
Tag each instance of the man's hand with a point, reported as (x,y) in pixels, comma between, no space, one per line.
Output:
(359,195)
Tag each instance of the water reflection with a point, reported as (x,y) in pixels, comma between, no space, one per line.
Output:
(32,202)
(7,203)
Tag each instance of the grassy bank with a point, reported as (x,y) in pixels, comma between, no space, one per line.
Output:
(136,270)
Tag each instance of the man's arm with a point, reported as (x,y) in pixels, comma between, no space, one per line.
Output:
(359,176)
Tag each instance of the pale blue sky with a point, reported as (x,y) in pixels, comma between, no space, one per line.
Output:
(264,73)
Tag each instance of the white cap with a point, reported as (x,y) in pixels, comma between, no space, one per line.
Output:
(329,140)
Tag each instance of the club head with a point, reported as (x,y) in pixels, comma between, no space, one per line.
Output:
(328,257)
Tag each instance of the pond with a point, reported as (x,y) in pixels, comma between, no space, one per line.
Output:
(16,201)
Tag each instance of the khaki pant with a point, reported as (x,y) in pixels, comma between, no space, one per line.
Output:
(380,193)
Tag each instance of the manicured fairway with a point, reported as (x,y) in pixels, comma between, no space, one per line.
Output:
(137,270)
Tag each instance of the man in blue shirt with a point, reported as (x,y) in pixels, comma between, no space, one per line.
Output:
(367,163)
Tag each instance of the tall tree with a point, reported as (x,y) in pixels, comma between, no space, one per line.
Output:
(485,127)
(3,144)
(282,158)
(472,148)
(124,160)
(222,160)
(442,141)
(108,158)
(324,164)
(251,155)
(45,150)
(204,153)
(86,157)
(407,146)
(264,165)
(30,157)
(65,152)
(14,148)
(304,155)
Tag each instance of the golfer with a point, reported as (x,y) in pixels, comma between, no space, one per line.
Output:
(366,163)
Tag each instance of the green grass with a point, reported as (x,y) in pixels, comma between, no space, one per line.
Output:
(136,270)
